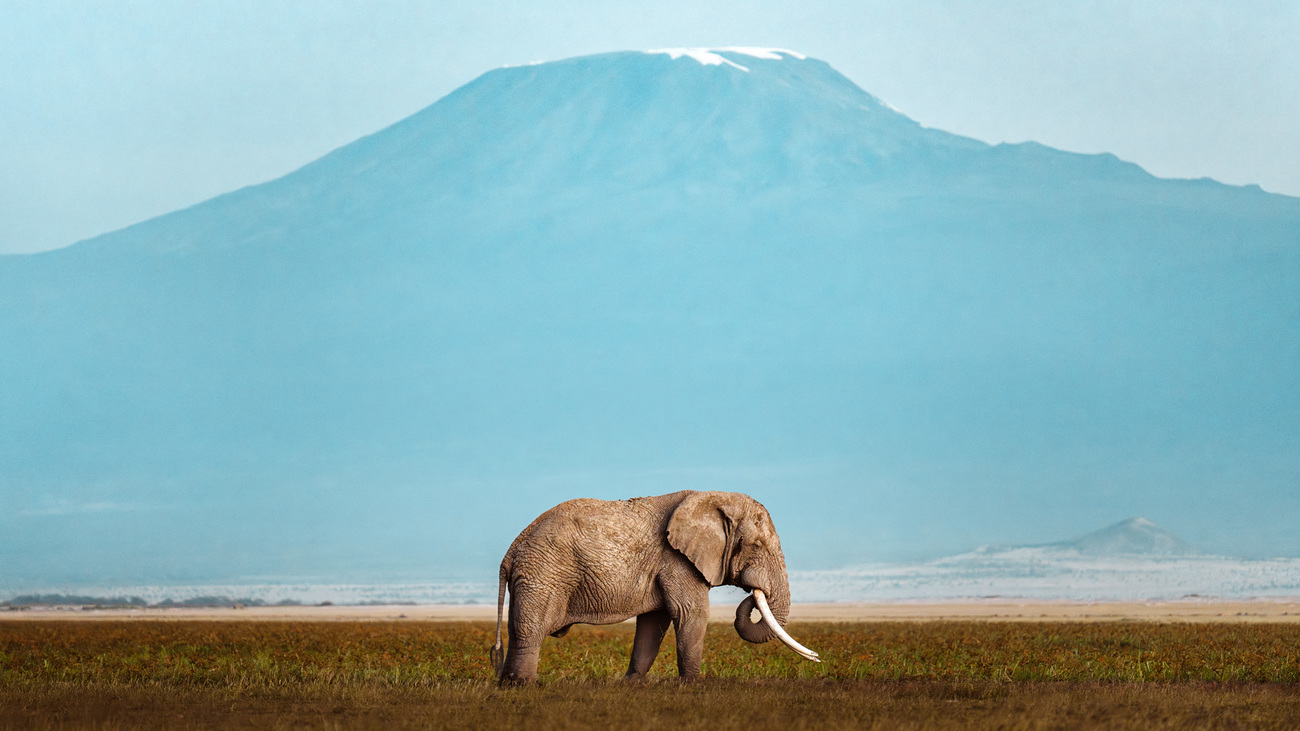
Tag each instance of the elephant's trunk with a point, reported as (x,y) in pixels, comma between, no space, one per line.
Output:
(749,625)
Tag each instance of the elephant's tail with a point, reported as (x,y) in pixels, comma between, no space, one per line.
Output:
(498,651)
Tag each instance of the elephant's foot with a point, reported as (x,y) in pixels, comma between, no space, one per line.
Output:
(521,665)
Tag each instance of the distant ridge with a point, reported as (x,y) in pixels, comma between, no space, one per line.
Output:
(1132,560)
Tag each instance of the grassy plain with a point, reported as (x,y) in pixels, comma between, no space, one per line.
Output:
(948,674)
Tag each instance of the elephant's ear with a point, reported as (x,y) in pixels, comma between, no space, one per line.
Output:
(700,528)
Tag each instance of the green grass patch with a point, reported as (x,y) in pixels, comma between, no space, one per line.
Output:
(281,654)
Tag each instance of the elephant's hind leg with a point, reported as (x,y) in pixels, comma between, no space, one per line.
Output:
(534,614)
(650,630)
(522,654)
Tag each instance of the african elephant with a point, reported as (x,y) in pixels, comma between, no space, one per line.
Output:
(654,558)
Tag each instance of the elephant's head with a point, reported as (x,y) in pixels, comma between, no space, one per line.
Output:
(731,540)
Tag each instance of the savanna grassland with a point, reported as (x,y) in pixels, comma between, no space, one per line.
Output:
(949,674)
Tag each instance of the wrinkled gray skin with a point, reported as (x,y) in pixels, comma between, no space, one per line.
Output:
(654,558)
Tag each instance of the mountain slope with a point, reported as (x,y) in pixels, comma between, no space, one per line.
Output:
(634,273)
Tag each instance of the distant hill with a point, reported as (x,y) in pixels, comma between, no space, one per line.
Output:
(1129,537)
(633,273)
(1134,536)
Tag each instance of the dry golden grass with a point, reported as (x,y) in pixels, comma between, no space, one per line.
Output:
(435,675)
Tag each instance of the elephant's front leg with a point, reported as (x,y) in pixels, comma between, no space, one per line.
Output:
(690,628)
(650,630)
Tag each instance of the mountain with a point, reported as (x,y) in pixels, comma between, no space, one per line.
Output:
(634,273)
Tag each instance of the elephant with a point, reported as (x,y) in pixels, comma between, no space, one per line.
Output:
(590,561)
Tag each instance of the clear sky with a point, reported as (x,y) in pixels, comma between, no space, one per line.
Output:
(111,113)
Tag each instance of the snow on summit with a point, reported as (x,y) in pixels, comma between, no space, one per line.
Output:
(713,57)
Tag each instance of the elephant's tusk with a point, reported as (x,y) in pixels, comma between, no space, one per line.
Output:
(761,600)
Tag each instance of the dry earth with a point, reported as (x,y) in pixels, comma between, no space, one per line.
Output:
(1189,610)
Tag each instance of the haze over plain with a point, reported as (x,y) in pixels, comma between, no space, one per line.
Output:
(635,273)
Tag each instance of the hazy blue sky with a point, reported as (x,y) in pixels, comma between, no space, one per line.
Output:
(113,112)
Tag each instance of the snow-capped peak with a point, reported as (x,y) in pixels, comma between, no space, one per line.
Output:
(713,57)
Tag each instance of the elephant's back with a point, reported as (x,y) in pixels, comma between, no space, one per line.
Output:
(586,529)
(549,521)
(579,512)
